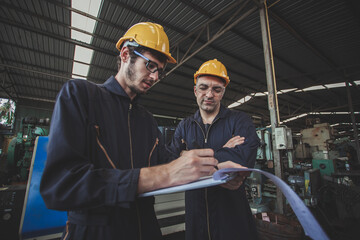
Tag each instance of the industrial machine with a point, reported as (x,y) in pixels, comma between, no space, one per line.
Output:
(264,151)
(11,204)
(262,192)
(319,167)
(21,147)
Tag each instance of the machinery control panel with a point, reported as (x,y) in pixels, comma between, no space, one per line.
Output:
(11,204)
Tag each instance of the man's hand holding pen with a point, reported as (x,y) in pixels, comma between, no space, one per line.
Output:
(211,166)
(192,165)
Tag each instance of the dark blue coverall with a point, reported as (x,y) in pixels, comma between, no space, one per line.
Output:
(99,139)
(216,213)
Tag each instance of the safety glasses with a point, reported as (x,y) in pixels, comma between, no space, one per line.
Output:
(151,66)
(204,89)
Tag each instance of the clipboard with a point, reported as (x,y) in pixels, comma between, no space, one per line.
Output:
(208,181)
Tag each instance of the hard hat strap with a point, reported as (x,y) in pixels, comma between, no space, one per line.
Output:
(130,43)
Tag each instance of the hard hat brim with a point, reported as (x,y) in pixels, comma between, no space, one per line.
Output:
(170,59)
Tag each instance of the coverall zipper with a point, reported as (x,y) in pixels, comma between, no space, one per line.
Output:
(207,132)
(131,153)
(67,230)
(132,167)
(138,215)
(102,147)
(206,198)
(207,214)
(152,150)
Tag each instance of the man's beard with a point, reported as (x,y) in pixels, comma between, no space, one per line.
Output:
(131,75)
(207,108)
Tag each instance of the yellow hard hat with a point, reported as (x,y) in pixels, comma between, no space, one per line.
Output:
(149,35)
(214,68)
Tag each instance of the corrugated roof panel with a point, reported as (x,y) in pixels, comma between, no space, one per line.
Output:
(326,25)
(182,17)
(213,6)
(37,38)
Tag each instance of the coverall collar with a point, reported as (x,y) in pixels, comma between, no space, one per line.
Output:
(113,86)
(222,113)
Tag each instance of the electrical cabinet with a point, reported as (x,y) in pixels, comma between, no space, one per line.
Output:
(283,138)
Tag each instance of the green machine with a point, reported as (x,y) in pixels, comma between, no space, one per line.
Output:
(326,166)
(21,147)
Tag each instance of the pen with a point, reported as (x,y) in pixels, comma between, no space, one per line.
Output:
(197,146)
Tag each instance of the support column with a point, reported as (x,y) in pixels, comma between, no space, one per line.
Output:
(351,109)
(272,97)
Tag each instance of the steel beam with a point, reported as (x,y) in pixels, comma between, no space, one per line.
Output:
(56,36)
(72,41)
(214,19)
(4,89)
(131,9)
(34,71)
(13,85)
(310,46)
(213,38)
(249,40)
(52,21)
(207,23)
(57,3)
(272,97)
(356,133)
(36,51)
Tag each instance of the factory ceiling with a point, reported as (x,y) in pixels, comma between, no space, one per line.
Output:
(316,50)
